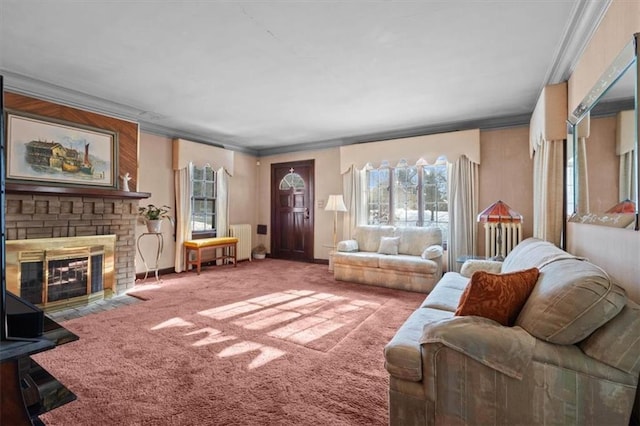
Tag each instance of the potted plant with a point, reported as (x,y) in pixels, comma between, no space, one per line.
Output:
(153,215)
(259,251)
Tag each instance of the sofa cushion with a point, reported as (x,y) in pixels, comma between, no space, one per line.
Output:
(617,343)
(571,300)
(473,265)
(533,253)
(446,295)
(368,236)
(357,259)
(388,245)
(414,239)
(498,297)
(347,246)
(403,262)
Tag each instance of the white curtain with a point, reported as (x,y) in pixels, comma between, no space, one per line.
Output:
(582,178)
(182,179)
(548,166)
(354,188)
(222,204)
(627,180)
(625,149)
(463,208)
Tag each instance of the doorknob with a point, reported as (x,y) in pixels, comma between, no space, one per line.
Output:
(306,213)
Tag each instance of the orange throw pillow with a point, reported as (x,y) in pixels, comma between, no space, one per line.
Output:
(499,297)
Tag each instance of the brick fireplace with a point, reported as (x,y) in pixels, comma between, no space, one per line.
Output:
(35,210)
(34,216)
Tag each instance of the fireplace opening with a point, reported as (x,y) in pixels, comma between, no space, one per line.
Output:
(67,278)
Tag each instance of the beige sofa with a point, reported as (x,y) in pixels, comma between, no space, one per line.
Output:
(572,357)
(404,258)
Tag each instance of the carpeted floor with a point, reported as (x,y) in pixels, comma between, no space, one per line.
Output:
(268,342)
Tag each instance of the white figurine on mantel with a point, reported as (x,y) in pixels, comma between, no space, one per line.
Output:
(125,182)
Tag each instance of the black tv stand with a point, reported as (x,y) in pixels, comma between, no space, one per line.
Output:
(28,390)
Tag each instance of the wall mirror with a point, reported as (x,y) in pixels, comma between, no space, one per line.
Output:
(602,150)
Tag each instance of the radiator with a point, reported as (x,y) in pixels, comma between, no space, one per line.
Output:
(496,246)
(243,234)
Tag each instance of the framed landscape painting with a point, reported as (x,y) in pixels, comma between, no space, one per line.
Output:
(53,151)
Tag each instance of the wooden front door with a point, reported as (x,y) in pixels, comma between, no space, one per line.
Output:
(292,210)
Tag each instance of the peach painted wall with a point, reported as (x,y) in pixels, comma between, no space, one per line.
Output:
(617,251)
(242,193)
(506,173)
(502,151)
(155,175)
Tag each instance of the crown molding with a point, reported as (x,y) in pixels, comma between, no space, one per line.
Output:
(494,123)
(28,86)
(585,19)
(173,133)
(75,99)
(72,98)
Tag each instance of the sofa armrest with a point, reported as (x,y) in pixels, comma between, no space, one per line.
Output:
(472,265)
(508,350)
(347,246)
(433,252)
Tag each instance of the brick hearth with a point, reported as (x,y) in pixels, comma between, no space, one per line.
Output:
(44,216)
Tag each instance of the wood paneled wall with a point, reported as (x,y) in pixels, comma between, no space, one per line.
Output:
(127,131)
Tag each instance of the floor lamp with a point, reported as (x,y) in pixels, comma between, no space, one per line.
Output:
(335,204)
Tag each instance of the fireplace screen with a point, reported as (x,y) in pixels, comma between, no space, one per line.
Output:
(31,278)
(50,272)
(67,278)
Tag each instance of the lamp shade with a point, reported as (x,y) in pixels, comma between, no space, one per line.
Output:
(335,203)
(626,206)
(499,212)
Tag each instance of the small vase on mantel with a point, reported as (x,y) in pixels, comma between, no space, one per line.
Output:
(153,226)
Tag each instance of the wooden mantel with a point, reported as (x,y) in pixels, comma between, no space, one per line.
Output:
(22,188)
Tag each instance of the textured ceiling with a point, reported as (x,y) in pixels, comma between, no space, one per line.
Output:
(265,76)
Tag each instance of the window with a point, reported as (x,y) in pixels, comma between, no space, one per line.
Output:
(203,201)
(292,180)
(378,196)
(409,195)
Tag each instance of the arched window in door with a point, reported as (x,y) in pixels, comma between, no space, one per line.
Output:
(291,180)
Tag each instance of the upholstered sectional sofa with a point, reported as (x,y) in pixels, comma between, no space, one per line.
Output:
(571,357)
(407,258)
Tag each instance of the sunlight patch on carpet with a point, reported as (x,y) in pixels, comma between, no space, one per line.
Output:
(316,332)
(265,319)
(173,322)
(213,337)
(267,354)
(229,311)
(314,320)
(311,319)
